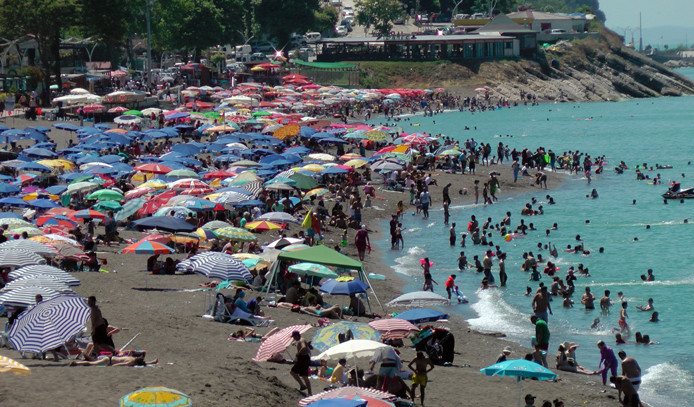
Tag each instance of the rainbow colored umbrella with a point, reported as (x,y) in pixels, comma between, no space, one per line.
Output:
(262,225)
(55,220)
(156,396)
(147,247)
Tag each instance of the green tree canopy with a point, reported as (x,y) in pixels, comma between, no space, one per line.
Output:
(189,25)
(378,13)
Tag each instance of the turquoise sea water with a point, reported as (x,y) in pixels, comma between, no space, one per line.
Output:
(637,131)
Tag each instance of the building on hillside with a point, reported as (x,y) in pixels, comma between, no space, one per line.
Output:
(418,48)
(539,21)
(502,25)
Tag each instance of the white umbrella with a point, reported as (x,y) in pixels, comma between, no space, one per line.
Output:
(418,299)
(37,281)
(26,296)
(356,348)
(322,157)
(29,246)
(278,217)
(19,258)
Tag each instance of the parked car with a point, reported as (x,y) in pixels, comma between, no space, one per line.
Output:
(341,31)
(555,31)
(264,46)
(461,16)
(312,37)
(347,25)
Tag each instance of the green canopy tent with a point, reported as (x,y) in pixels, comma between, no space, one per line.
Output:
(320,255)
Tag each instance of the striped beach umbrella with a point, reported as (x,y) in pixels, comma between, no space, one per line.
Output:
(28,246)
(19,258)
(50,324)
(279,342)
(42,270)
(8,365)
(88,214)
(147,247)
(262,225)
(216,265)
(26,296)
(129,209)
(55,220)
(153,168)
(235,234)
(156,396)
(393,328)
(347,391)
(36,281)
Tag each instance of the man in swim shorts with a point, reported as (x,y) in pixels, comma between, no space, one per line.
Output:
(541,339)
(541,305)
(630,369)
(300,370)
(422,366)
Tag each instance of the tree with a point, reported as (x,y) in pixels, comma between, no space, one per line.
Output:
(495,6)
(44,20)
(325,18)
(280,18)
(378,13)
(111,32)
(189,25)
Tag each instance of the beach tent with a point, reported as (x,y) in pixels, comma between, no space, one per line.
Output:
(319,255)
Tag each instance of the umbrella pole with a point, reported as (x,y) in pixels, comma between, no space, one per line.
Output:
(520,390)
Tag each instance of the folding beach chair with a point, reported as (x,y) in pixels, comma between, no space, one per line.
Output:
(221,313)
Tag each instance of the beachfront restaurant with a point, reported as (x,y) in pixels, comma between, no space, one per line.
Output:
(418,48)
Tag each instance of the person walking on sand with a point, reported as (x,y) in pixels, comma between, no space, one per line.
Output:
(541,339)
(608,361)
(300,370)
(361,240)
(422,366)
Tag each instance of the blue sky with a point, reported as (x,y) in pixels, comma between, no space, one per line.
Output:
(624,13)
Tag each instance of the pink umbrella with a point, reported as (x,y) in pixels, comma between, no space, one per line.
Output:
(118,109)
(481,90)
(93,108)
(278,342)
(393,328)
(138,192)
(347,391)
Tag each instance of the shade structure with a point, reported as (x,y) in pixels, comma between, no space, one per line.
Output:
(344,286)
(394,328)
(129,209)
(156,396)
(313,270)
(262,225)
(419,315)
(19,258)
(520,369)
(88,214)
(26,296)
(147,247)
(355,348)
(8,365)
(347,391)
(418,299)
(164,223)
(278,342)
(28,246)
(339,402)
(153,168)
(328,337)
(283,242)
(55,220)
(44,281)
(230,197)
(215,224)
(235,234)
(278,217)
(49,324)
(105,195)
(216,265)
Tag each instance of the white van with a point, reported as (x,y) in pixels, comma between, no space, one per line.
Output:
(312,37)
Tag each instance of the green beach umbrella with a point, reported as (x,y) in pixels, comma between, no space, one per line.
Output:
(232,233)
(303,181)
(211,115)
(31,231)
(261,113)
(451,152)
(312,269)
(105,206)
(105,195)
(133,113)
(13,223)
(82,186)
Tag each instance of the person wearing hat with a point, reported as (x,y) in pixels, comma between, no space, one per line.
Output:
(504,354)
(529,400)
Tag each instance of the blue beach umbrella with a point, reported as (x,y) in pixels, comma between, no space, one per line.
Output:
(328,337)
(49,324)
(521,369)
(343,286)
(66,126)
(164,223)
(419,315)
(9,189)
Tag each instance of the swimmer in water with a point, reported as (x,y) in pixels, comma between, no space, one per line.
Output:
(595,323)
(647,307)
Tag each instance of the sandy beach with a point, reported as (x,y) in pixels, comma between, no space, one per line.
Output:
(196,358)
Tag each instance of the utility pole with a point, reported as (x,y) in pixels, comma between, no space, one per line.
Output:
(149,46)
(640,35)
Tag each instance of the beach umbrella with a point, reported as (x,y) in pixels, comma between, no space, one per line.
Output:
(37,280)
(43,270)
(147,247)
(312,270)
(347,391)
(521,369)
(355,348)
(235,234)
(283,242)
(418,299)
(182,173)
(166,223)
(329,336)
(49,324)
(376,135)
(322,157)
(215,224)
(8,365)
(105,195)
(88,214)
(356,163)
(394,328)
(30,231)
(278,217)
(153,168)
(216,265)
(13,223)
(19,258)
(344,286)
(26,296)
(419,315)
(229,197)
(303,182)
(156,396)
(81,186)
(262,225)
(200,204)
(341,402)
(313,167)
(187,184)
(128,209)
(27,246)
(278,342)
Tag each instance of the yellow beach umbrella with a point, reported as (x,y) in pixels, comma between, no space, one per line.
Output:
(156,396)
(36,195)
(244,256)
(140,177)
(220,129)
(153,184)
(376,135)
(313,167)
(356,163)
(59,164)
(285,132)
(262,225)
(8,365)
(316,192)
